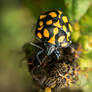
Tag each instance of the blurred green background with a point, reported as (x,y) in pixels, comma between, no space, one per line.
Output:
(17,26)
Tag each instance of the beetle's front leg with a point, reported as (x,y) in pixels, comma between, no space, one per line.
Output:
(57,53)
(37,56)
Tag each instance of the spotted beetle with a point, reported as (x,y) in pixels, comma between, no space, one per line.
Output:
(53,29)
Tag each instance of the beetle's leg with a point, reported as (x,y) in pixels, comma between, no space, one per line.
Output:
(37,46)
(39,52)
(37,55)
(57,53)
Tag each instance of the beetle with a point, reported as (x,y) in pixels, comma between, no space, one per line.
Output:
(53,29)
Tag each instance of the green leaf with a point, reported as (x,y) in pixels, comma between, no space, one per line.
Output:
(79,8)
